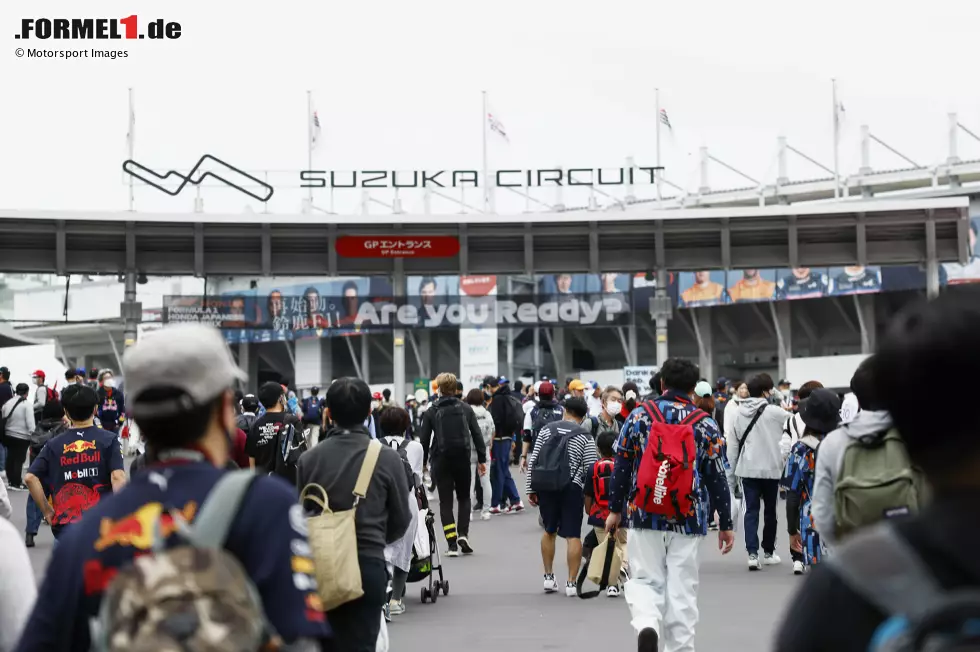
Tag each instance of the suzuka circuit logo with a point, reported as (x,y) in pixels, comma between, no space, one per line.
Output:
(207,166)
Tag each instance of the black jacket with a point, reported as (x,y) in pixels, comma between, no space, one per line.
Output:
(941,535)
(431,445)
(6,392)
(507,413)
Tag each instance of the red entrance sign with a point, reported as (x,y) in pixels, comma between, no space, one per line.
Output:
(366,246)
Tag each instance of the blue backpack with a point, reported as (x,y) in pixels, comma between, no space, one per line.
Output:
(312,409)
(888,573)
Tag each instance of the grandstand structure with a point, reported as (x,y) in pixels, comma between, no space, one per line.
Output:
(915,217)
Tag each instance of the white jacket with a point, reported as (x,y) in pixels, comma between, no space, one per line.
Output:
(762,458)
(829,460)
(486,428)
(731,411)
(792,432)
(20,421)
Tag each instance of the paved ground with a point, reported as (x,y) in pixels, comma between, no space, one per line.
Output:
(496,599)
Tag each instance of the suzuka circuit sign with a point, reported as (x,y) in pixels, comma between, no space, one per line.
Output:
(437,246)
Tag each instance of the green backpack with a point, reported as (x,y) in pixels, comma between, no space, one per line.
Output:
(877,481)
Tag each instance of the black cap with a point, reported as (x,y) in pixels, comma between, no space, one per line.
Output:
(821,410)
(315,388)
(4,372)
(783,382)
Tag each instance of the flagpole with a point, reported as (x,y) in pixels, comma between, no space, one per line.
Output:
(132,136)
(836,140)
(486,183)
(309,139)
(660,196)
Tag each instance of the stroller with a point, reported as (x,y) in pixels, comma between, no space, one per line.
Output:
(423,566)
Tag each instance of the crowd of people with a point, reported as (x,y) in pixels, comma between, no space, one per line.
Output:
(268,521)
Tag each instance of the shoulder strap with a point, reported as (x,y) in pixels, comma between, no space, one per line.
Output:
(745,435)
(404,445)
(220,508)
(882,568)
(367,470)
(653,411)
(694,418)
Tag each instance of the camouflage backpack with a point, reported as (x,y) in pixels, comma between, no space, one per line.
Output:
(195,596)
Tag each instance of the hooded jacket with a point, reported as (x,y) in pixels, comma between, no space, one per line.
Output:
(486,428)
(829,460)
(761,458)
(20,418)
(731,411)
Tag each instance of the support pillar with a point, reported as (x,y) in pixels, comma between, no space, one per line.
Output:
(782,324)
(864,306)
(559,352)
(314,363)
(130,310)
(510,337)
(660,308)
(248,361)
(398,337)
(932,261)
(706,349)
(633,344)
(365,358)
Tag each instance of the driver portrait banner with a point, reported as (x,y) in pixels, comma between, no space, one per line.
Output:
(328,316)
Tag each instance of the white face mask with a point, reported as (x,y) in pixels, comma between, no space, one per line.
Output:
(614,407)
(109,382)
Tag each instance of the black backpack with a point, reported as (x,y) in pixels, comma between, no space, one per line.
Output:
(245,422)
(551,470)
(292,445)
(451,427)
(402,450)
(542,416)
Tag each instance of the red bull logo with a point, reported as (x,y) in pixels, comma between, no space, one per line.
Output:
(136,530)
(81,458)
(79,446)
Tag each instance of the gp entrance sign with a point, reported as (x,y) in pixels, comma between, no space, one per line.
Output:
(361,246)
(639,375)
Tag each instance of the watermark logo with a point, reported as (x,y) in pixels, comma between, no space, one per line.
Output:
(77,29)
(242,180)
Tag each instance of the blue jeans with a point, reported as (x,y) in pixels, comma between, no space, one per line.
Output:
(501,483)
(34,517)
(3,457)
(766,492)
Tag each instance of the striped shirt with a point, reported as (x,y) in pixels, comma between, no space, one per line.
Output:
(582,452)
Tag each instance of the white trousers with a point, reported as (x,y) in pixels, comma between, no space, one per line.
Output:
(662,592)
(484,481)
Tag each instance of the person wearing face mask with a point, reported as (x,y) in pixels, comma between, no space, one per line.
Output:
(631,394)
(112,404)
(612,406)
(263,439)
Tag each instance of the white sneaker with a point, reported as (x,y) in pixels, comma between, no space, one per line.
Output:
(550,583)
(754,563)
(485,515)
(771,559)
(612,591)
(797,568)
(396,607)
(570,590)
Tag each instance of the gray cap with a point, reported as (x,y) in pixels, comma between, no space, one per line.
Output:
(193,358)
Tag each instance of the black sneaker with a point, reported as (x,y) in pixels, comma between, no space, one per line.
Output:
(29,541)
(648,640)
(464,546)
(453,550)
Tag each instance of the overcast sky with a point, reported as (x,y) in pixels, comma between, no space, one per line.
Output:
(397,86)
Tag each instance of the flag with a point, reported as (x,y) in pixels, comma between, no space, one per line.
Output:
(664,119)
(497,126)
(315,130)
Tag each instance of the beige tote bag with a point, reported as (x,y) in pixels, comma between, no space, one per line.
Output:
(333,539)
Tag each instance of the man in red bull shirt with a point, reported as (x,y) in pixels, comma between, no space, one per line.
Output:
(180,386)
(79,466)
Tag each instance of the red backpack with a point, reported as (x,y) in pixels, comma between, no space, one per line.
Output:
(600,487)
(665,480)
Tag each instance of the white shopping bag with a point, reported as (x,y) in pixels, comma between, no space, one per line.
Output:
(738,511)
(382,636)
